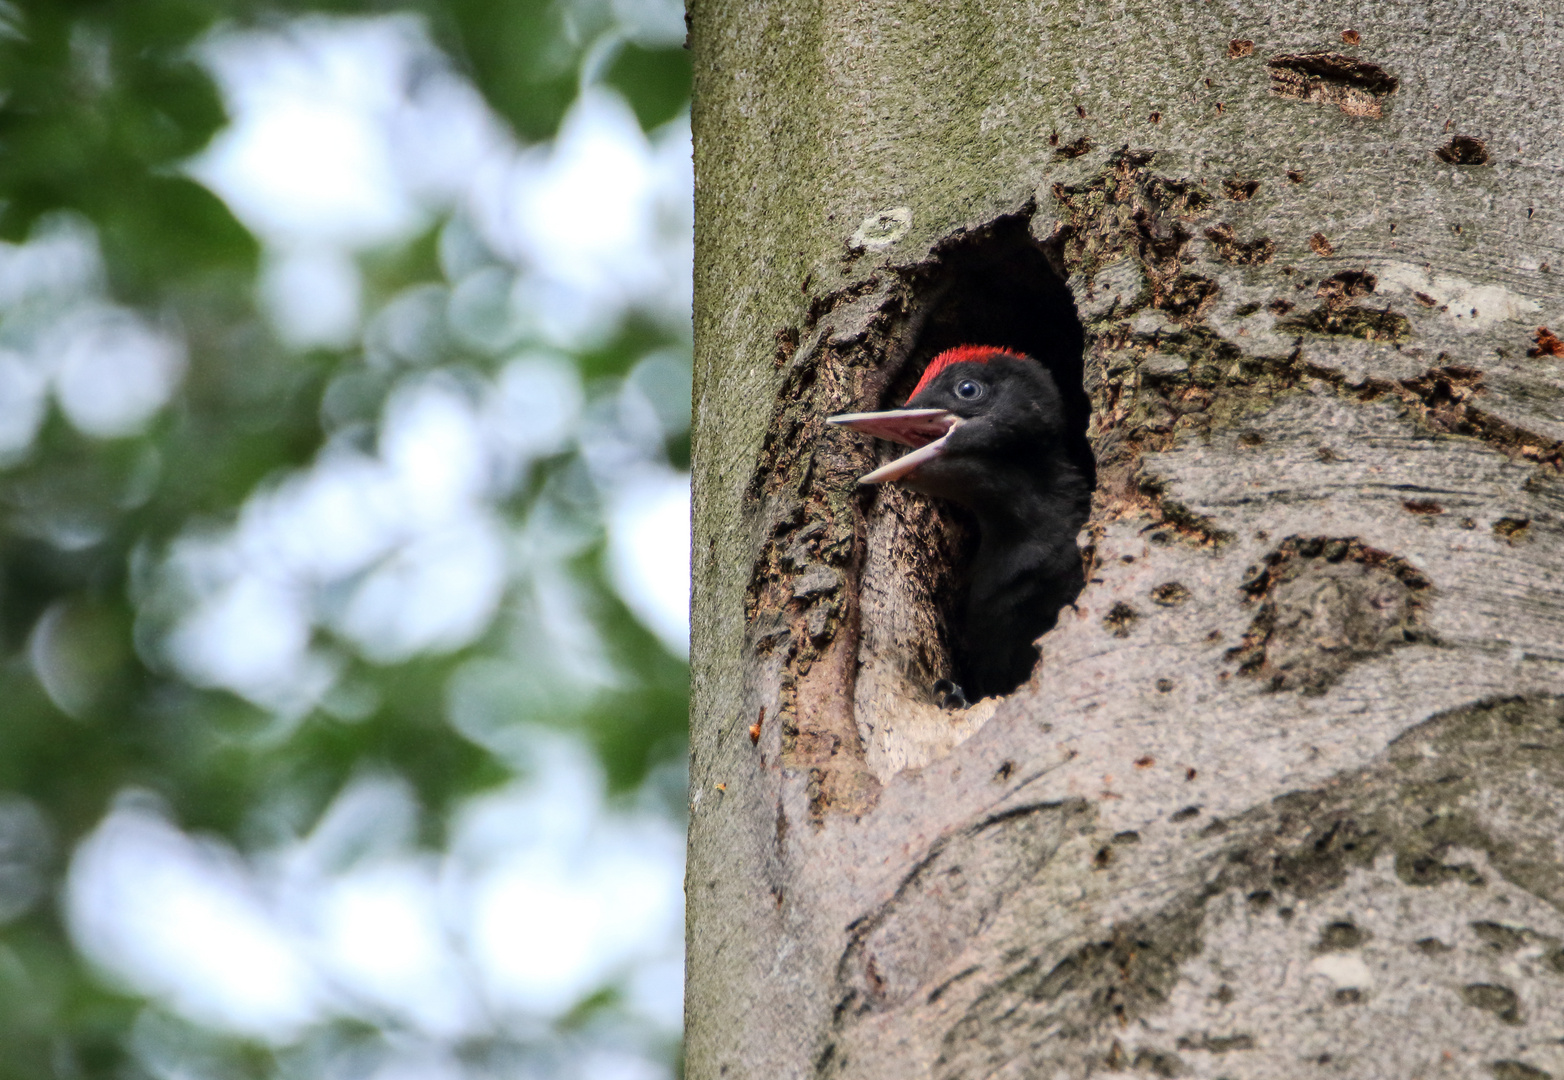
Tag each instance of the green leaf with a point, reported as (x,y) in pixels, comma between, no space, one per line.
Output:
(656,82)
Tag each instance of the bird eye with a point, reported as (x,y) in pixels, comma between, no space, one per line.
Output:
(969,389)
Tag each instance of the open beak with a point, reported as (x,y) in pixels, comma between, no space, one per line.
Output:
(926,430)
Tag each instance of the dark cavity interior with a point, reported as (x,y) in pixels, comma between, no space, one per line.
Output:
(997,287)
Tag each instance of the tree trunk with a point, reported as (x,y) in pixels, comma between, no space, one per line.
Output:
(1285,794)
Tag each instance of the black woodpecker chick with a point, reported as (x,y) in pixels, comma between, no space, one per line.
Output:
(988,430)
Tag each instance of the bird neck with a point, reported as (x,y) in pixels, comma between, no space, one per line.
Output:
(1031,504)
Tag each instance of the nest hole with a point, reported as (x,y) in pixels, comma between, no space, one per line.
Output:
(996,286)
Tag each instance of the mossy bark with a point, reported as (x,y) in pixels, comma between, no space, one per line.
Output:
(1285,793)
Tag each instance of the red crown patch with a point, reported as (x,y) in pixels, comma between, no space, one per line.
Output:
(976,354)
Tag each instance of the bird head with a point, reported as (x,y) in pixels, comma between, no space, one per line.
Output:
(977,411)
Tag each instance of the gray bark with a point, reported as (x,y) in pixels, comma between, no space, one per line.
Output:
(1285,794)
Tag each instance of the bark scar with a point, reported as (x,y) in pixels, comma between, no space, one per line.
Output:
(1327,603)
(1357,87)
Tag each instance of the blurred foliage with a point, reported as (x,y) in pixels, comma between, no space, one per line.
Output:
(100,103)
(655,81)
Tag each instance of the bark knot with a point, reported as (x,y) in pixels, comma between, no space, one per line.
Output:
(1327,603)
